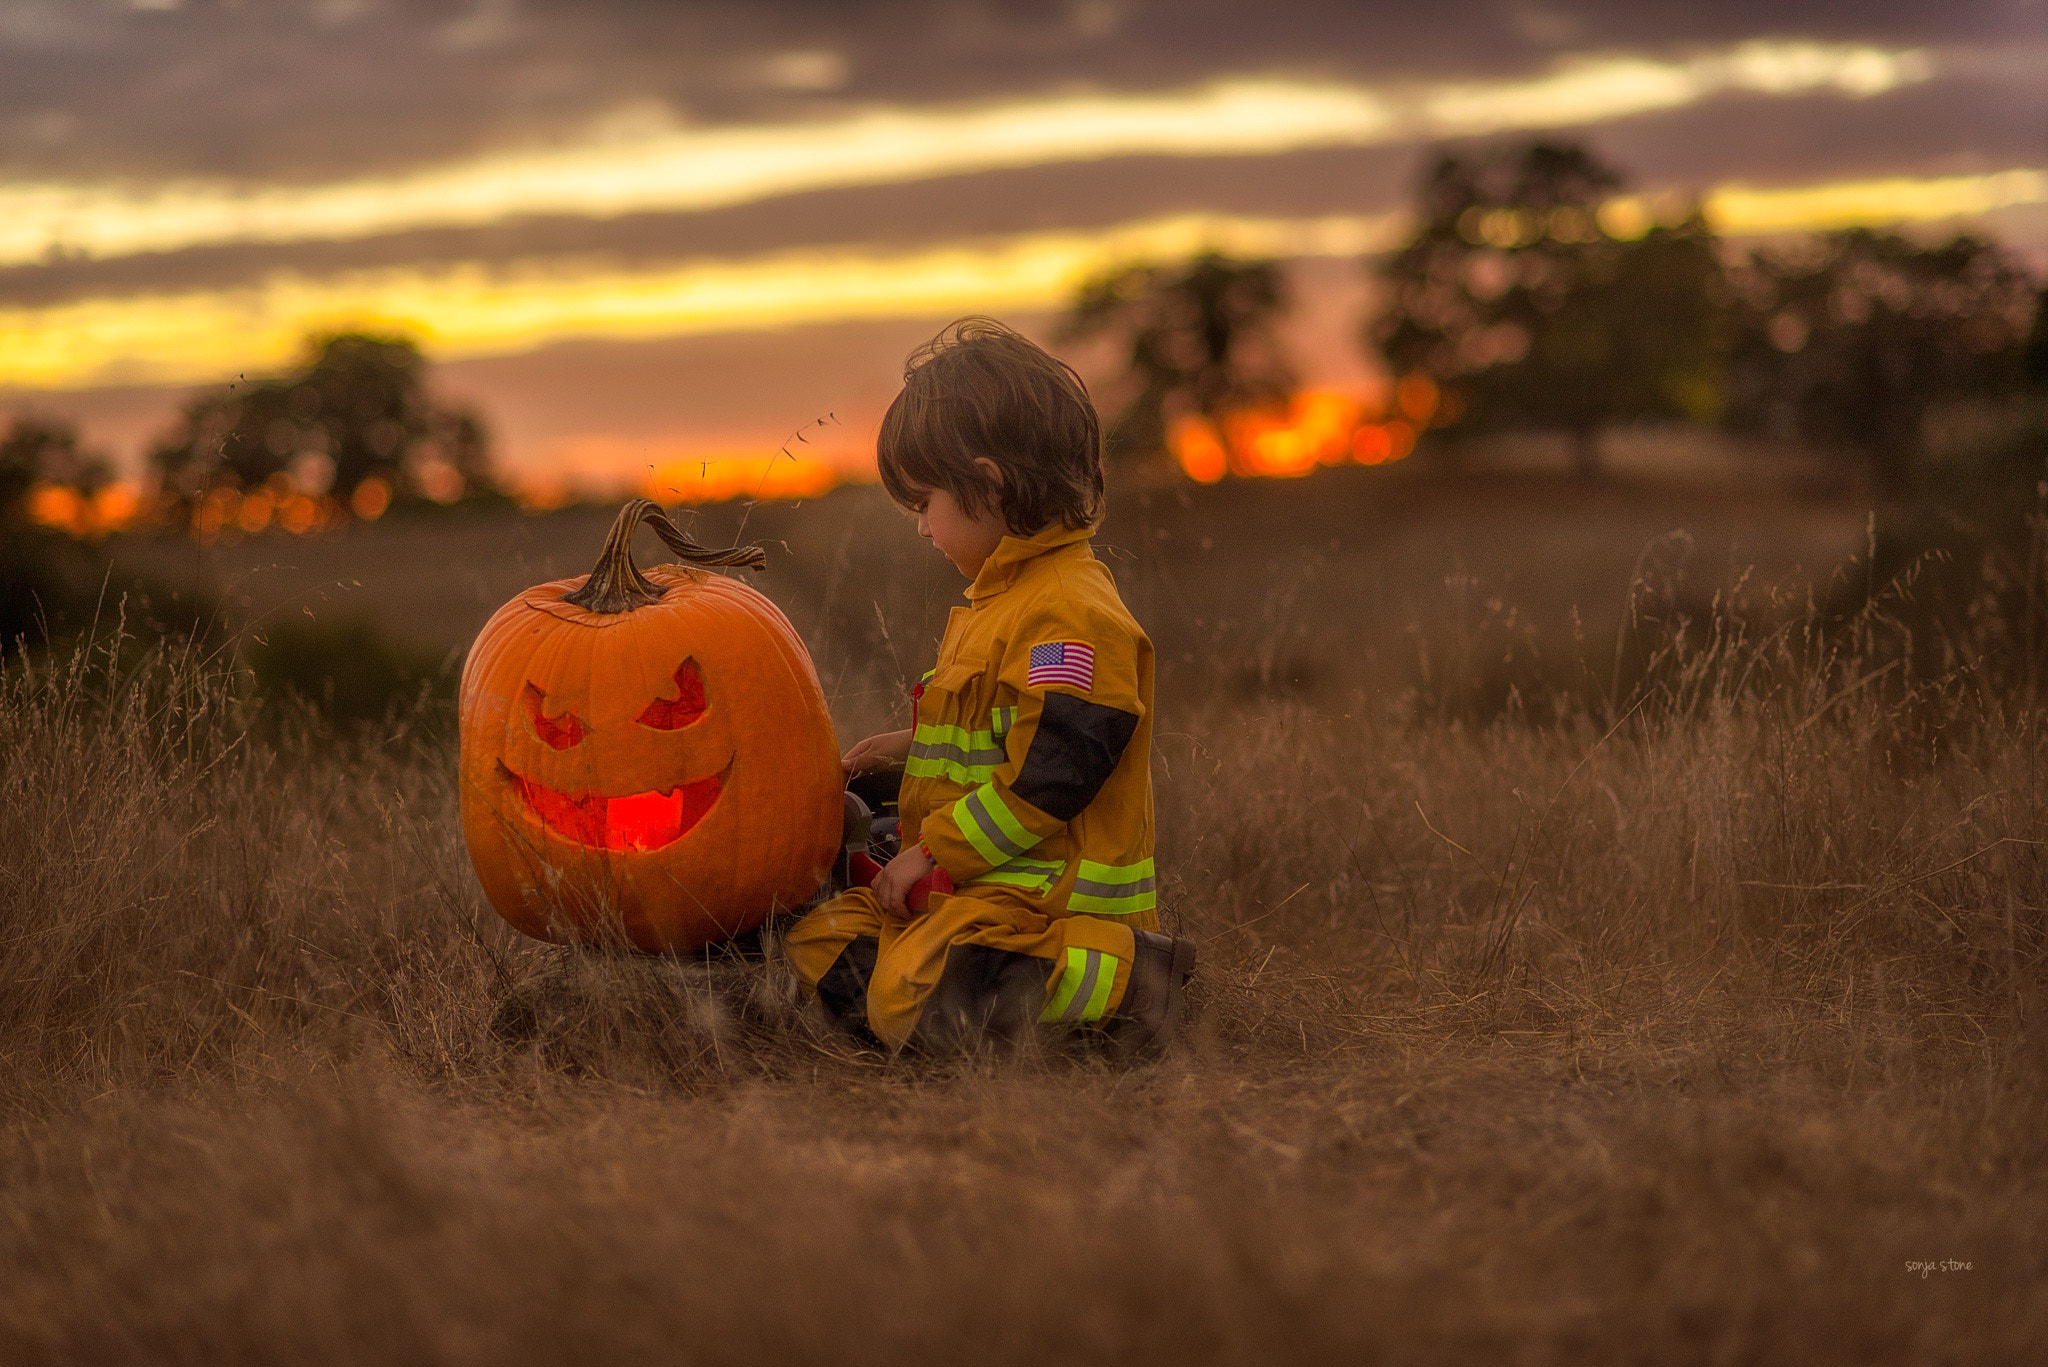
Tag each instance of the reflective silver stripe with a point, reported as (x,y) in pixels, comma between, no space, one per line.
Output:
(1077,1008)
(940,750)
(1084,887)
(995,834)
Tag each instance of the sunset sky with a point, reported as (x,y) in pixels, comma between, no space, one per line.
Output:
(641,233)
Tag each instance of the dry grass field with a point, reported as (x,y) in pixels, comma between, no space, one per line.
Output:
(1660,984)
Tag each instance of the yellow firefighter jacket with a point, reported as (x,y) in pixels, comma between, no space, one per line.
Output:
(1030,774)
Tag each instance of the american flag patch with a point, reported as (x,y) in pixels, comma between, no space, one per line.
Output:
(1062,662)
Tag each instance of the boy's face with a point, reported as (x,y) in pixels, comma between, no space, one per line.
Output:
(965,538)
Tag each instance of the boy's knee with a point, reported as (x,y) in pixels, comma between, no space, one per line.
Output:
(817,940)
(843,987)
(984,994)
(833,950)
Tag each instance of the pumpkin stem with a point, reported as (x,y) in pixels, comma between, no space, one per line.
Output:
(616,584)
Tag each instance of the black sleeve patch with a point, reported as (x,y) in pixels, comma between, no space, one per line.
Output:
(1072,754)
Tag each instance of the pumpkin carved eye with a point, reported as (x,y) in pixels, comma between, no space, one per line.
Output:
(557,732)
(673,714)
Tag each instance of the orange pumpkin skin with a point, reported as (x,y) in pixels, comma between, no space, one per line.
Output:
(626,802)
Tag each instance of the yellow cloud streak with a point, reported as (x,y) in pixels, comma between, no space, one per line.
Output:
(1742,211)
(696,169)
(469,310)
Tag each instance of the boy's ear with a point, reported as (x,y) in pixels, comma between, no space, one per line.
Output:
(993,471)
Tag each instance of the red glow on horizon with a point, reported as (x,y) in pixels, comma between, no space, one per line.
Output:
(675,469)
(62,508)
(1310,429)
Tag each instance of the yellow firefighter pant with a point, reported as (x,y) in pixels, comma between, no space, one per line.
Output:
(956,950)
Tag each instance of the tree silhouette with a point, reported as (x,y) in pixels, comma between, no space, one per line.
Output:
(1851,340)
(39,450)
(1519,300)
(1199,337)
(358,409)
(41,571)
(2035,364)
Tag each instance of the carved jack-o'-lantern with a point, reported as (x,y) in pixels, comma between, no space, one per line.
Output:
(646,756)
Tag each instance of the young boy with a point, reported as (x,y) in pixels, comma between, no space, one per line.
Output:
(1027,775)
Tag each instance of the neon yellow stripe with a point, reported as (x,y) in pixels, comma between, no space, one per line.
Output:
(921,766)
(1117,873)
(1035,874)
(997,808)
(1113,906)
(1114,889)
(1035,882)
(970,830)
(1070,982)
(1098,1000)
(938,733)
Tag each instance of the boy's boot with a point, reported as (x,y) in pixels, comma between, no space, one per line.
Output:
(1150,1013)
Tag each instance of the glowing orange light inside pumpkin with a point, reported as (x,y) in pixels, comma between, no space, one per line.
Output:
(634,821)
(637,821)
(558,732)
(672,714)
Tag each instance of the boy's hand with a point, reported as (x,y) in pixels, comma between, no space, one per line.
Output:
(894,882)
(886,751)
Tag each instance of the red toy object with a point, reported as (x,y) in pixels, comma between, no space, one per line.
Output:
(863,868)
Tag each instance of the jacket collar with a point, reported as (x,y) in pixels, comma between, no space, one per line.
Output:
(1012,553)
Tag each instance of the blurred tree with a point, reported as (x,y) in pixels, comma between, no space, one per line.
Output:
(1200,337)
(1851,340)
(20,464)
(45,451)
(43,573)
(1534,304)
(357,410)
(2035,364)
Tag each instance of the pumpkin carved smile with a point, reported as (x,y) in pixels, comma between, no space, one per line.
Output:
(633,821)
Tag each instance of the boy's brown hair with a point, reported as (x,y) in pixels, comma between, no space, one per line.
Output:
(981,388)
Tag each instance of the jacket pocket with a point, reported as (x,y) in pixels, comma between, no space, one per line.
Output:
(1000,720)
(946,744)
